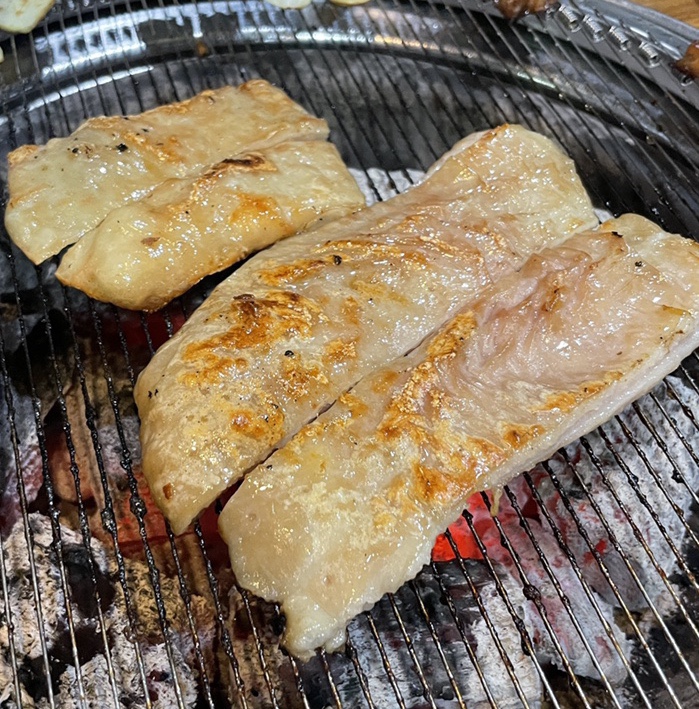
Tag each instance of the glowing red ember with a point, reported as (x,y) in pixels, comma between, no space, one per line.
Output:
(460,531)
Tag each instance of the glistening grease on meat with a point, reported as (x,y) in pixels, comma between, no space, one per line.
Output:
(61,190)
(350,508)
(147,252)
(297,325)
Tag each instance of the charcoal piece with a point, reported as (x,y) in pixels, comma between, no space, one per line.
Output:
(17,423)
(430,591)
(32,677)
(96,678)
(639,484)
(455,585)
(42,341)
(82,585)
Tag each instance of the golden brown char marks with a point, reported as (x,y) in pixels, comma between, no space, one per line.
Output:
(21,154)
(563,401)
(248,162)
(451,339)
(403,414)
(351,312)
(211,368)
(384,380)
(432,484)
(298,378)
(413,415)
(399,501)
(251,210)
(141,132)
(259,426)
(254,322)
(253,162)
(208,96)
(455,477)
(354,404)
(376,289)
(298,270)
(339,352)
(260,211)
(566,401)
(517,436)
(167,149)
(373,251)
(481,455)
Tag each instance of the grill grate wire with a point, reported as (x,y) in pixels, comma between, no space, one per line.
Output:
(332,78)
(640,539)
(537,116)
(649,601)
(527,645)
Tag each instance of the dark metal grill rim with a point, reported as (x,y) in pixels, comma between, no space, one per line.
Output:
(527,31)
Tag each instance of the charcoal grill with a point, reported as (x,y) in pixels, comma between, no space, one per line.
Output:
(582,592)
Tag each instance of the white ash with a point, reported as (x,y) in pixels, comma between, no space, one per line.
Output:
(22,602)
(499,682)
(29,463)
(96,681)
(477,634)
(539,587)
(584,662)
(488,655)
(318,691)
(650,578)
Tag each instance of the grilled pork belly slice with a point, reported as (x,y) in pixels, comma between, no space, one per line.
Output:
(298,324)
(145,253)
(22,16)
(61,190)
(350,508)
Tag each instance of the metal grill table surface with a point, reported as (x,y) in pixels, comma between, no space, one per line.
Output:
(581,592)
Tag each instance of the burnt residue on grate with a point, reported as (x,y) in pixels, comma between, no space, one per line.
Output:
(583,590)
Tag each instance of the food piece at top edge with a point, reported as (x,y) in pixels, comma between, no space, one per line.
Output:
(350,508)
(144,254)
(61,190)
(298,324)
(514,9)
(22,16)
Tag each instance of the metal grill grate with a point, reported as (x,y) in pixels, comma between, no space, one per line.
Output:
(582,592)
